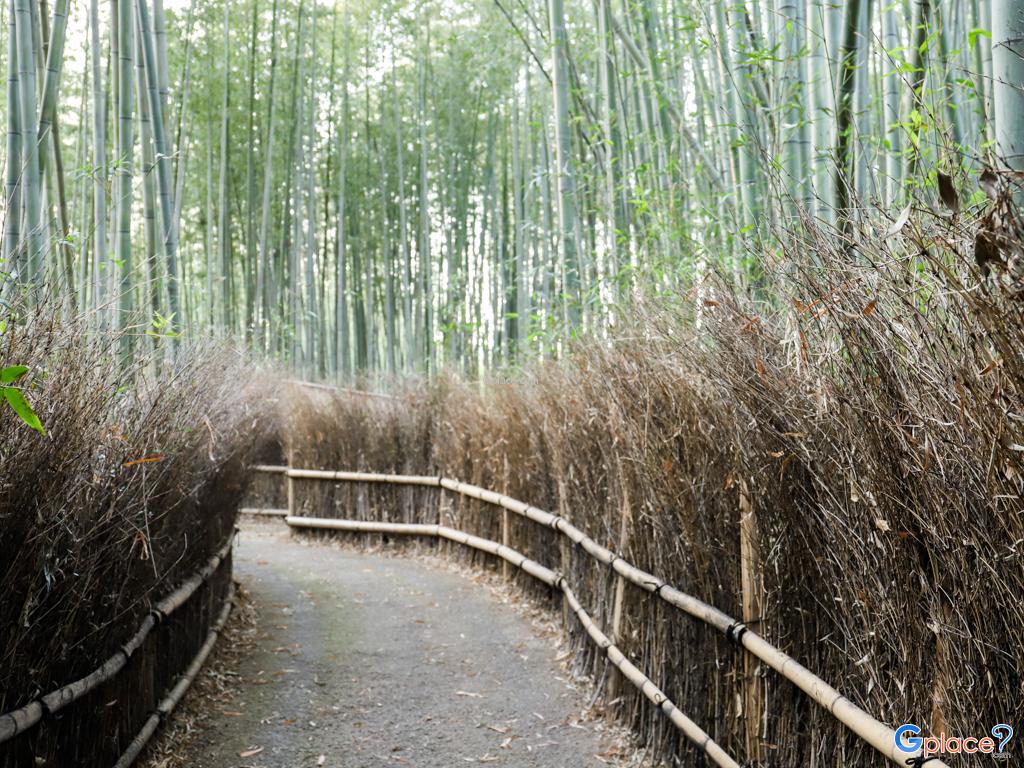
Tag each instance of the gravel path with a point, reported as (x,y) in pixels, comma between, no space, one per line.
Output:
(369,660)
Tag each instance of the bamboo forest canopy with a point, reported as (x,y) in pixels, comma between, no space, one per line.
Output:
(400,185)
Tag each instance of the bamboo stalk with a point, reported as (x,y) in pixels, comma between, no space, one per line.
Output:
(32,196)
(12,217)
(880,736)
(163,167)
(54,64)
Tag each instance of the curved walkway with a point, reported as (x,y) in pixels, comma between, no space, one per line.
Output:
(368,660)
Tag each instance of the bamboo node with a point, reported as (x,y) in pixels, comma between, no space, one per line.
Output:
(735,631)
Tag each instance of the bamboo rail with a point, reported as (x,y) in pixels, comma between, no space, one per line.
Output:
(873,732)
(263,512)
(23,718)
(643,683)
(170,701)
(346,390)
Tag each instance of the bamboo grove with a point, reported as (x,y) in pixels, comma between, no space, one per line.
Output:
(401,185)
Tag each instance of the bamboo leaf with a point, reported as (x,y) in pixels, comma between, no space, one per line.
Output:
(19,403)
(974,34)
(12,373)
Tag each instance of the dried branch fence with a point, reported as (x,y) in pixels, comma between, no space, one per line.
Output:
(148,667)
(877,734)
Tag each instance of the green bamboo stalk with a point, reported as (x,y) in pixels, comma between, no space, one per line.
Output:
(342,344)
(424,251)
(13,182)
(1007,77)
(309,161)
(125,145)
(893,135)
(795,79)
(151,280)
(844,113)
(250,178)
(563,165)
(163,169)
(54,64)
(262,264)
(403,225)
(160,40)
(32,194)
(99,160)
(920,62)
(223,290)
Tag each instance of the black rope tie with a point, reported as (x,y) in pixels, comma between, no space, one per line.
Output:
(917,762)
(734,632)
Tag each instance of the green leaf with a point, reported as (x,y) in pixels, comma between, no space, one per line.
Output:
(12,373)
(974,34)
(17,400)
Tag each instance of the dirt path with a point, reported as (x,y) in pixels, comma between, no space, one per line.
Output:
(366,660)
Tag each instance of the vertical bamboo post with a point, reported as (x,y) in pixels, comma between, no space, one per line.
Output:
(504,521)
(564,554)
(290,481)
(625,516)
(753,606)
(940,619)
(444,517)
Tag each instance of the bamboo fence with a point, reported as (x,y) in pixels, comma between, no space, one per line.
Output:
(26,717)
(170,701)
(873,732)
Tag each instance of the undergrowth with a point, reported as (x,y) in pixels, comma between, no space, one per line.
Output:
(133,487)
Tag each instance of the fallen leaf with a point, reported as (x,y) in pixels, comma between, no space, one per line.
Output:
(144,460)
(986,251)
(250,752)
(882,525)
(901,221)
(947,192)
(989,183)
